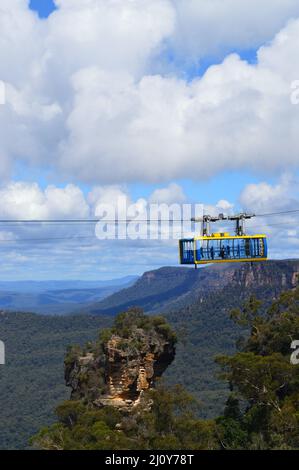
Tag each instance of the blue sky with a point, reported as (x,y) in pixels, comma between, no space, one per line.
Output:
(43,7)
(166,101)
(225,186)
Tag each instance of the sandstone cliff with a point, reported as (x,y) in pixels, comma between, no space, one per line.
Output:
(123,364)
(167,289)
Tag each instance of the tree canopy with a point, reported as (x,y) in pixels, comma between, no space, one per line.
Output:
(262,411)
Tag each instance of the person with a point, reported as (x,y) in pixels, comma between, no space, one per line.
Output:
(222,252)
(212,252)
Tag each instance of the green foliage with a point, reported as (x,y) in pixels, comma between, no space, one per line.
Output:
(32,381)
(134,319)
(169,425)
(36,346)
(105,335)
(204,330)
(262,375)
(34,370)
(69,412)
(72,354)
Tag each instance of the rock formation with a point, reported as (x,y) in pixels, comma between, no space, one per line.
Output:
(119,369)
(170,288)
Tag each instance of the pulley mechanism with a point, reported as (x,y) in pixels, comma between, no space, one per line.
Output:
(239,219)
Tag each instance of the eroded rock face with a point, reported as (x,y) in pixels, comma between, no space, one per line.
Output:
(122,369)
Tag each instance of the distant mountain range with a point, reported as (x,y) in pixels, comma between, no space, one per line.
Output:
(56,297)
(196,303)
(164,289)
(42,286)
(168,289)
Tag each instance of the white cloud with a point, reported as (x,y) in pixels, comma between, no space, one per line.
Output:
(237,116)
(264,198)
(282,230)
(107,195)
(22,200)
(172,194)
(225,205)
(28,201)
(38,59)
(81,98)
(216,26)
(21,41)
(110,34)
(73,250)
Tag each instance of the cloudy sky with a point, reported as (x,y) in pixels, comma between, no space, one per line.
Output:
(152,100)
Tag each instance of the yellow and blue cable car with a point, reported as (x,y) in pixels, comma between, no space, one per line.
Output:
(223,247)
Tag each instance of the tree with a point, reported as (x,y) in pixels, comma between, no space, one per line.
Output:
(261,373)
(262,411)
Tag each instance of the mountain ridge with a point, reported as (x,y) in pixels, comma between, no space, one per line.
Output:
(169,288)
(56,297)
(200,316)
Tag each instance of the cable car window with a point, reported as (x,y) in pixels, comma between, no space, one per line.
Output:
(209,249)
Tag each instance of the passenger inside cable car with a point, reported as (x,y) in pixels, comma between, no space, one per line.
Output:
(223,249)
